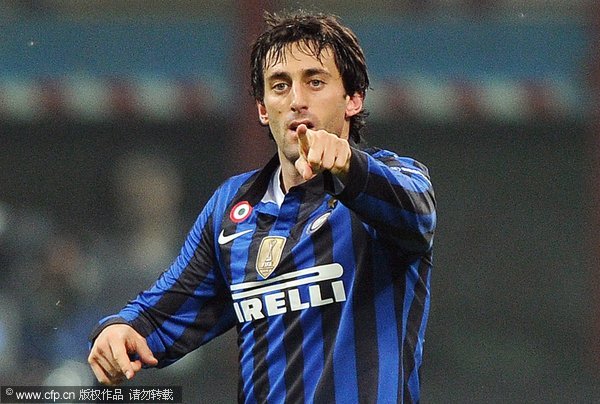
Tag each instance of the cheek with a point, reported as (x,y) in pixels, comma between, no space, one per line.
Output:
(338,111)
(274,110)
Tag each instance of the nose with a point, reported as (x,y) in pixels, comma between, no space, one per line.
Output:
(299,100)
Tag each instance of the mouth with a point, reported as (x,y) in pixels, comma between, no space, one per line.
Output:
(293,126)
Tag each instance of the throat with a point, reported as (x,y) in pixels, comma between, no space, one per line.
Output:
(290,181)
(281,184)
(289,177)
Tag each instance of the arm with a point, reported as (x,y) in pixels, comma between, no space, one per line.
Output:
(393,195)
(186,307)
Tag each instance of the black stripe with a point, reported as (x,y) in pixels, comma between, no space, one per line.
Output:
(229,227)
(412,241)
(365,326)
(212,312)
(241,394)
(191,276)
(264,223)
(399,287)
(330,318)
(294,334)
(294,368)
(414,321)
(418,202)
(255,187)
(260,375)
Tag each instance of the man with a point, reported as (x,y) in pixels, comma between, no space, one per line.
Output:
(322,259)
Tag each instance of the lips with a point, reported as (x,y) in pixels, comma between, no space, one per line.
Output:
(293,126)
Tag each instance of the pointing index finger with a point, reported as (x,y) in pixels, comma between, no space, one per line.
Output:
(302,138)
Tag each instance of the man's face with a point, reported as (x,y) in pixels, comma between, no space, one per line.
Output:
(301,89)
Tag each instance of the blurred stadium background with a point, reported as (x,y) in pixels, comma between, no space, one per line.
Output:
(119,118)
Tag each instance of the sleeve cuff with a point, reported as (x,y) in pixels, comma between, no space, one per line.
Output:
(100,327)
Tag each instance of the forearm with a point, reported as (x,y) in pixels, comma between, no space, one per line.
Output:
(391,194)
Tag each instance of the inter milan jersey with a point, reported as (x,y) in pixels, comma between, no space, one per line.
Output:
(328,288)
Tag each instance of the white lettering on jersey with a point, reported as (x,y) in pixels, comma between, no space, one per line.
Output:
(271,297)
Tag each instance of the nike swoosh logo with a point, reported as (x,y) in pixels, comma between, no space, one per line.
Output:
(223,239)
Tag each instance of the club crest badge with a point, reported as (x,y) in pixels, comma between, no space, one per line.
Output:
(269,255)
(240,212)
(318,222)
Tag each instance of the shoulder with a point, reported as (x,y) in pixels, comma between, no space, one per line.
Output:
(234,183)
(392,159)
(234,187)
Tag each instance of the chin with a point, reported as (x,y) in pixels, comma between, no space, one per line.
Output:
(291,155)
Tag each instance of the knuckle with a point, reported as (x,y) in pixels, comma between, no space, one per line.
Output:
(102,349)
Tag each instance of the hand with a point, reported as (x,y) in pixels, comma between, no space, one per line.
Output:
(109,357)
(320,151)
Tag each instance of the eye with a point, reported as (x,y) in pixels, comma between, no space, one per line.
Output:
(280,87)
(316,83)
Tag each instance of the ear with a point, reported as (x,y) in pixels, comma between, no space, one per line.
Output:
(263,116)
(354,104)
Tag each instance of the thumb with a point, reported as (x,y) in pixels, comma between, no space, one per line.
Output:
(303,168)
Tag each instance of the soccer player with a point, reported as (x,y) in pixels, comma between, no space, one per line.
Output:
(321,259)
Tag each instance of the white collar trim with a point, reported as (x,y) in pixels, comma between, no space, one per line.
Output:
(274,193)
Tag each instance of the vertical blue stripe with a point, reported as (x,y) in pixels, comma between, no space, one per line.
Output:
(387,336)
(344,359)
(312,343)
(240,250)
(312,349)
(247,363)
(276,359)
(177,323)
(344,353)
(411,277)
(414,382)
(409,294)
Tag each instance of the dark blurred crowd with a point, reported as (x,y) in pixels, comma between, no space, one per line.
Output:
(55,285)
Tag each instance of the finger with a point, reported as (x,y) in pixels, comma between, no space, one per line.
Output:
(102,356)
(341,166)
(145,354)
(315,156)
(303,168)
(121,358)
(100,374)
(104,372)
(303,141)
(137,365)
(328,158)
(341,163)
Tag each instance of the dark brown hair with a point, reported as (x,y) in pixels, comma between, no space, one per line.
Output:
(316,32)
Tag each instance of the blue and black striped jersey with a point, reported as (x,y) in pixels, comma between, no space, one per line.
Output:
(329,291)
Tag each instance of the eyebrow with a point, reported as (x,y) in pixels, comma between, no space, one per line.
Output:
(313,71)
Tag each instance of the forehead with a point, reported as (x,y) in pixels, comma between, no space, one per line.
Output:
(304,54)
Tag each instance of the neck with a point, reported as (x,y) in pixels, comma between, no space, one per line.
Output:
(290,177)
